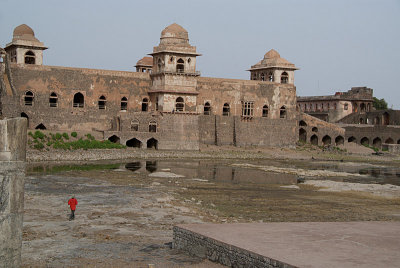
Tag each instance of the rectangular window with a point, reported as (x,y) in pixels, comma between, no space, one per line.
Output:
(247,108)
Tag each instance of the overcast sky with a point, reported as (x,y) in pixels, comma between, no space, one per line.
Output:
(336,44)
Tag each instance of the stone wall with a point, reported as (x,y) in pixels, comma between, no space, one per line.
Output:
(12,172)
(373,135)
(231,256)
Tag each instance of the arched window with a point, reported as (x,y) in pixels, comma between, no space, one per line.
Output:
(25,116)
(362,107)
(326,140)
(302,123)
(377,121)
(346,106)
(153,126)
(271,77)
(159,64)
(265,111)
(282,113)
(226,110)
(284,78)
(124,104)
(207,108)
(30,57)
(262,77)
(179,104)
(355,108)
(385,119)
(102,103)
(28,98)
(53,100)
(302,135)
(180,66)
(314,129)
(145,105)
(79,100)
(135,125)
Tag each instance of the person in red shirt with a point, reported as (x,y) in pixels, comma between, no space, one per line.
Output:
(72,204)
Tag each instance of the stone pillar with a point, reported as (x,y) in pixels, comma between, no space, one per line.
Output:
(12,174)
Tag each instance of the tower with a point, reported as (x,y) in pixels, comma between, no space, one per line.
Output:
(174,72)
(273,68)
(25,48)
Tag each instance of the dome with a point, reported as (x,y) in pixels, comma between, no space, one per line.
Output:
(272,54)
(175,33)
(23,29)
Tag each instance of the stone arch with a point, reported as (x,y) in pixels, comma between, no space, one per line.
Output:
(389,141)
(179,104)
(326,140)
(314,129)
(152,143)
(302,123)
(30,57)
(364,141)
(226,110)
(352,139)
(79,100)
(25,116)
(377,142)
(28,98)
(53,100)
(377,121)
(207,108)
(339,140)
(282,112)
(385,118)
(41,127)
(124,104)
(314,140)
(362,107)
(302,135)
(114,139)
(265,111)
(134,143)
(145,105)
(398,141)
(180,66)
(102,102)
(262,77)
(284,78)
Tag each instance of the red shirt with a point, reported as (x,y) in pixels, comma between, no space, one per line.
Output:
(72,203)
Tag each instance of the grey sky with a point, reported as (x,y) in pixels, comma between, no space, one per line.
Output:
(336,44)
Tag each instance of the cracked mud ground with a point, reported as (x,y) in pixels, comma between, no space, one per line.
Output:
(125,218)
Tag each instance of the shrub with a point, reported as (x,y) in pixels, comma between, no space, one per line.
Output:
(90,137)
(38,134)
(39,146)
(74,134)
(58,136)
(30,134)
(65,135)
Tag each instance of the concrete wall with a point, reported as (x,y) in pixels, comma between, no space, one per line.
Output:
(12,173)
(231,256)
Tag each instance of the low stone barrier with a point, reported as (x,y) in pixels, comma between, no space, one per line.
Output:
(231,256)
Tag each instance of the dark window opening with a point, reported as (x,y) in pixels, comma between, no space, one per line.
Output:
(145,105)
(314,129)
(282,112)
(79,100)
(302,135)
(284,78)
(364,141)
(153,126)
(326,140)
(28,98)
(152,144)
(265,111)
(40,126)
(226,110)
(124,104)
(102,103)
(389,141)
(385,119)
(377,121)
(29,57)
(262,77)
(135,125)
(180,66)
(302,123)
(377,143)
(339,140)
(114,139)
(179,104)
(207,108)
(271,77)
(25,116)
(352,139)
(361,120)
(151,166)
(346,106)
(53,100)
(134,143)
(314,140)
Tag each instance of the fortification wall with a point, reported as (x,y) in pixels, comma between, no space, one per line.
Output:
(12,173)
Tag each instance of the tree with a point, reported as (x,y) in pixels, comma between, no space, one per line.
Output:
(379,104)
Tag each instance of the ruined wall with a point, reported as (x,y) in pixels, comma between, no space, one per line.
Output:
(313,130)
(12,172)
(65,82)
(373,135)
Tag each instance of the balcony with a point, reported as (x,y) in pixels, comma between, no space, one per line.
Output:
(176,72)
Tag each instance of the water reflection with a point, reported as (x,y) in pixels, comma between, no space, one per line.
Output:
(133,166)
(151,166)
